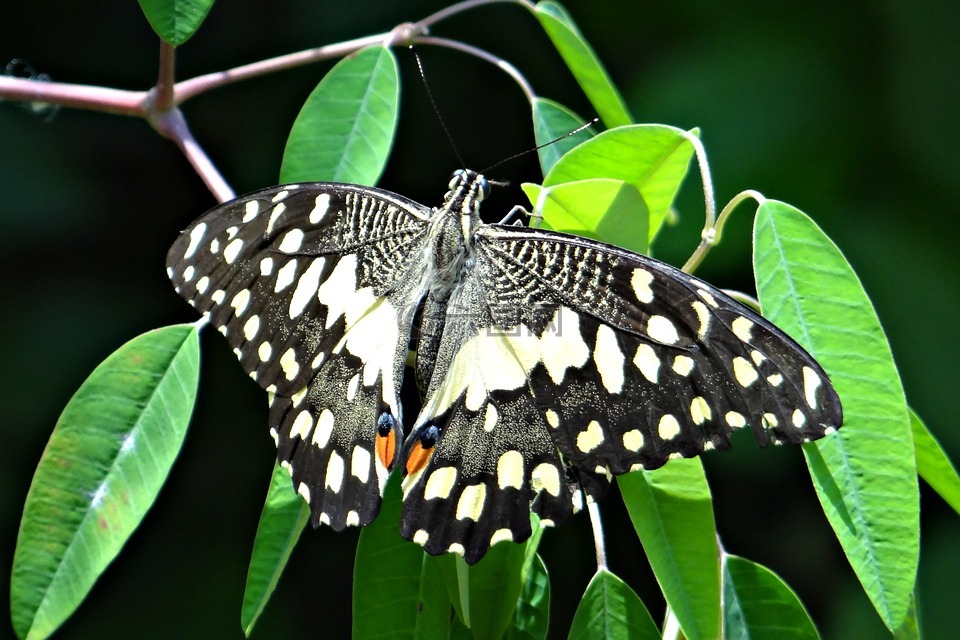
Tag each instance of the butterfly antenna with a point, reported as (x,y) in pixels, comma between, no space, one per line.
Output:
(545,144)
(436,109)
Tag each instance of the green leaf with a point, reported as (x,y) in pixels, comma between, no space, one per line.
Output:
(532,615)
(282,520)
(865,476)
(933,465)
(107,458)
(652,157)
(175,20)
(552,122)
(583,63)
(608,210)
(346,127)
(672,512)
(757,604)
(909,629)
(489,590)
(610,609)
(398,590)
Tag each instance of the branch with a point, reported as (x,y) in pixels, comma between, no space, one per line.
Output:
(77,96)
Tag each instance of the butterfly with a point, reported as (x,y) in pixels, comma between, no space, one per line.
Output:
(547,362)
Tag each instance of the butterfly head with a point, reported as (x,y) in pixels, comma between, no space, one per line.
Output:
(467,189)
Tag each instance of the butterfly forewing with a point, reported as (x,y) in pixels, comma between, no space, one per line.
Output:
(311,285)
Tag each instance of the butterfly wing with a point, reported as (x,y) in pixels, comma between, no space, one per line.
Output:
(611,362)
(313,286)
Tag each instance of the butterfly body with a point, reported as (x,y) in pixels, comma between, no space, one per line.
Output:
(547,362)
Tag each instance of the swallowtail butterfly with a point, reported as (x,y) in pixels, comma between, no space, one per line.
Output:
(546,362)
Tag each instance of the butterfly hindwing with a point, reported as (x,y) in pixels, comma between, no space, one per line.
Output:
(494,455)
(311,285)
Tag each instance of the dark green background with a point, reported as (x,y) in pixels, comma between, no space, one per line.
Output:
(846,110)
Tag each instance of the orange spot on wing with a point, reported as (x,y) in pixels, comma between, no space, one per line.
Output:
(386,447)
(418,458)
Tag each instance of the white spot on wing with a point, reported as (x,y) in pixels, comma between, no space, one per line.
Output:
(590,438)
(562,346)
(274,216)
(552,418)
(743,329)
(285,276)
(668,427)
(609,359)
(735,420)
(647,362)
(470,505)
(266,266)
(196,235)
(292,241)
(633,440)
(798,418)
(546,477)
(490,418)
(264,351)
(703,318)
(289,364)
(744,372)
(360,463)
(334,477)
(440,483)
(306,287)
(683,365)
(352,387)
(232,250)
(662,330)
(811,382)
(501,535)
(641,281)
(250,210)
(251,327)
(302,425)
(304,491)
(321,206)
(510,470)
(700,411)
(321,436)
(240,302)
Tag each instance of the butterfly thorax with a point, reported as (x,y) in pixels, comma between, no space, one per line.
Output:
(450,236)
(448,256)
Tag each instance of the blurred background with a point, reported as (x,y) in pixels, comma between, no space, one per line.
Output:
(845,110)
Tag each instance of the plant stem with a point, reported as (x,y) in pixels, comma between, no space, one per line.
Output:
(711,234)
(76,96)
(597,526)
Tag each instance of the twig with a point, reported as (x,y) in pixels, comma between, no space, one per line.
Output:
(163,92)
(460,7)
(190,88)
(171,124)
(711,233)
(76,96)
